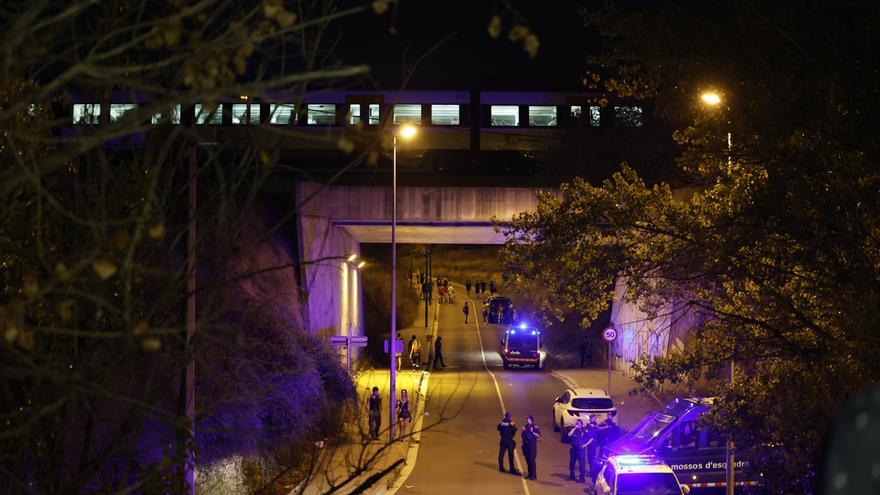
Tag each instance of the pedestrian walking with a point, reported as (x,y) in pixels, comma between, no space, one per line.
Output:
(438,353)
(466,310)
(477,289)
(507,432)
(399,354)
(374,408)
(467,287)
(577,453)
(483,287)
(530,435)
(492,287)
(403,414)
(415,353)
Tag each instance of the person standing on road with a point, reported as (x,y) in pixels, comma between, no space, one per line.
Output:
(578,451)
(467,287)
(438,354)
(466,310)
(492,287)
(374,408)
(530,435)
(507,431)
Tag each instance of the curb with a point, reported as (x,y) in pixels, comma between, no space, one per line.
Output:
(395,480)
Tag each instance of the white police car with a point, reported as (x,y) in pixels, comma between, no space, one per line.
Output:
(638,475)
(580,403)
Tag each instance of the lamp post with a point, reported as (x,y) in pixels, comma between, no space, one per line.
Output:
(713,99)
(405,132)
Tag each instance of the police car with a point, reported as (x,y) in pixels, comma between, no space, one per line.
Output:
(638,474)
(579,403)
(696,453)
(521,346)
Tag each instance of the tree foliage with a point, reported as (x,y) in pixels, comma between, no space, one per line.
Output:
(773,244)
(93,245)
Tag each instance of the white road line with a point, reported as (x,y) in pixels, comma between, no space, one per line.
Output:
(567,380)
(519,463)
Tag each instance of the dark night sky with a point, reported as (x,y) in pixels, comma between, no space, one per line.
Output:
(470,58)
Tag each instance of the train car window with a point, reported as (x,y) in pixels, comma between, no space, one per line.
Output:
(321,114)
(445,115)
(542,116)
(245,113)
(117,110)
(281,114)
(374,114)
(206,114)
(407,114)
(172,116)
(86,113)
(504,115)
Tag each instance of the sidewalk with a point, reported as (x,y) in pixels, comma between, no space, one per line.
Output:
(630,409)
(358,465)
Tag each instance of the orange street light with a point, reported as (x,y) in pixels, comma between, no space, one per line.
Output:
(711,98)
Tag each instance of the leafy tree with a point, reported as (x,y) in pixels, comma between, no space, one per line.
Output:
(773,245)
(93,246)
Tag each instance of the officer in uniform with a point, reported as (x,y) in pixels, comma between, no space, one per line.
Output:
(530,435)
(507,430)
(592,445)
(578,452)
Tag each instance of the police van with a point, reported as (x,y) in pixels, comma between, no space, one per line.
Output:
(696,453)
(521,346)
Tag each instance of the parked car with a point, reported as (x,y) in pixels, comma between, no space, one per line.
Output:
(576,403)
(638,475)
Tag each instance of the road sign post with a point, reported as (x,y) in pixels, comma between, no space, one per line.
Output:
(609,335)
(348,343)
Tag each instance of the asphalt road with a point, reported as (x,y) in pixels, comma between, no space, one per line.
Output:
(459,444)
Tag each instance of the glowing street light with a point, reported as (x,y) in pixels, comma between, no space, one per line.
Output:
(406,132)
(352,258)
(711,98)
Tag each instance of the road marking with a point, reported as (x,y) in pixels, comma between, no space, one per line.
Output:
(567,380)
(519,463)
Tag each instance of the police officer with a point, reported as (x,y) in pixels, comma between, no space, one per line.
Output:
(578,452)
(530,435)
(507,430)
(592,444)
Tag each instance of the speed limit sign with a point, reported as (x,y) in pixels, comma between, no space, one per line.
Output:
(610,334)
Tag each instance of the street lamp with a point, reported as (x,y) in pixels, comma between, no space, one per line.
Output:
(406,132)
(714,99)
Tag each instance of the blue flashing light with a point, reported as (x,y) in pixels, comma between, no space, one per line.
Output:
(634,460)
(512,332)
(534,332)
(522,325)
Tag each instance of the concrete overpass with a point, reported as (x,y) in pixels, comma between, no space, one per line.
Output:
(333,221)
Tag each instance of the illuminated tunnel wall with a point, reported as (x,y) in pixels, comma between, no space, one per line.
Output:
(639,334)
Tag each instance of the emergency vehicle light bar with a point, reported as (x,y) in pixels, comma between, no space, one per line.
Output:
(636,460)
